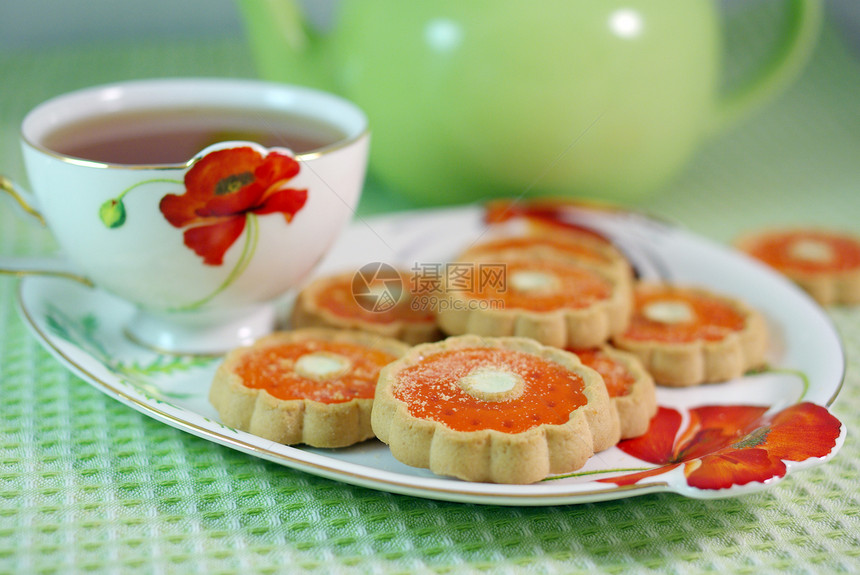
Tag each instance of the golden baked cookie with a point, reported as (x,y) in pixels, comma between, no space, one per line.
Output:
(336,301)
(687,336)
(826,264)
(552,300)
(576,245)
(312,386)
(502,410)
(631,388)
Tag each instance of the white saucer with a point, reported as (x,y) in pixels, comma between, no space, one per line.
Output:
(85,329)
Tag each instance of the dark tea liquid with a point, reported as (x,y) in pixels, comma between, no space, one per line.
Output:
(175,136)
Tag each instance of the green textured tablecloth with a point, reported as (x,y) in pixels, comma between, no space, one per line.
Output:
(89,485)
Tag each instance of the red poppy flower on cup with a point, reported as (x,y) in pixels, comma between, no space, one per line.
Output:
(222,189)
(731,445)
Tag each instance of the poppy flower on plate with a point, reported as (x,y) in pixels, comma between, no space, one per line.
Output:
(222,189)
(731,445)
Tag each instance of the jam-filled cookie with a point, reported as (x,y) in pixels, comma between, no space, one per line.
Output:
(631,388)
(502,410)
(312,386)
(576,245)
(382,304)
(554,301)
(826,264)
(687,336)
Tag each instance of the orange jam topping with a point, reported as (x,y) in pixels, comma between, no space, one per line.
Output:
(438,388)
(385,304)
(323,371)
(583,248)
(545,286)
(675,315)
(619,381)
(807,251)
(550,213)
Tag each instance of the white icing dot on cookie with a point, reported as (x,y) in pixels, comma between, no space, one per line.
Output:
(668,312)
(492,384)
(533,281)
(811,251)
(322,365)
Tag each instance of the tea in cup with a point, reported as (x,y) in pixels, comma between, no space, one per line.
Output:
(200,201)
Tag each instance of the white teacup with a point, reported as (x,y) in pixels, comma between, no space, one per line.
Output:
(172,195)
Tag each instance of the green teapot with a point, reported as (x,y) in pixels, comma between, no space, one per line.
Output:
(469,99)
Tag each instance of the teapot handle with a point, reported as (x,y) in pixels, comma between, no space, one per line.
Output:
(805,18)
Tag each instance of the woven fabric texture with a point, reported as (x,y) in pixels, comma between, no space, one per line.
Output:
(87,485)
